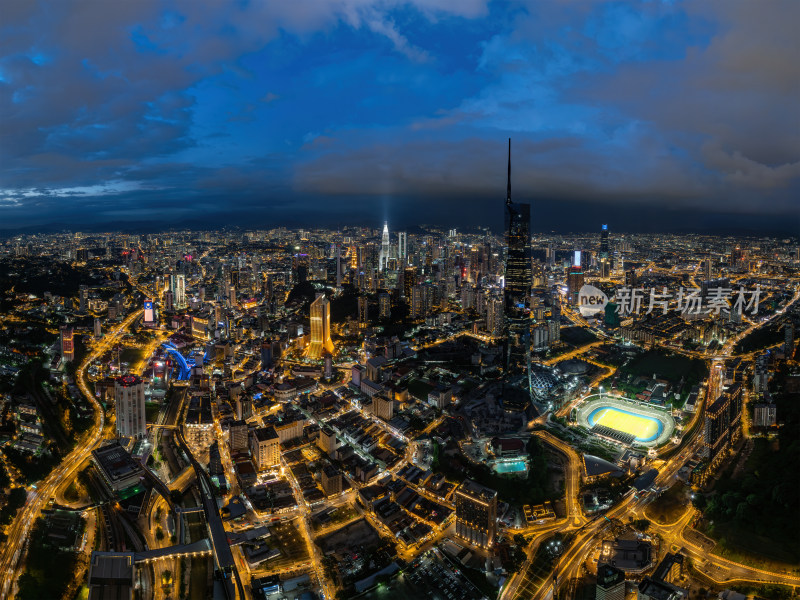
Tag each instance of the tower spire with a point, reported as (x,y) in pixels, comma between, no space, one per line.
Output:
(508,192)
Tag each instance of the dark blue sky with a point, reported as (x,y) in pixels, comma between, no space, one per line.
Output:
(645,114)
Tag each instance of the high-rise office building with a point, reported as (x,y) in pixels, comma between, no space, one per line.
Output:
(265,448)
(788,339)
(495,316)
(98,329)
(605,264)
(67,344)
(180,292)
(574,283)
(518,281)
(384,305)
(338,251)
(417,302)
(610,583)
(320,328)
(169,300)
(129,400)
(409,281)
(363,311)
(402,248)
(238,436)
(83,298)
(735,404)
(717,426)
(476,513)
(707,273)
(383,257)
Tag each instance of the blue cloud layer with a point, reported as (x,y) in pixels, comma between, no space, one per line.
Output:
(253,107)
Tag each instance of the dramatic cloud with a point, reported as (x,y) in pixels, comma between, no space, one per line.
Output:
(116,111)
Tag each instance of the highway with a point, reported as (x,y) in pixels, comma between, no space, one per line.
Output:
(10,564)
(219,538)
(588,534)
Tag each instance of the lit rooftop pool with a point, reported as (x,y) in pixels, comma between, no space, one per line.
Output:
(517,466)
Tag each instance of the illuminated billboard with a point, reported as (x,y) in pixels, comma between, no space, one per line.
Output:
(149,313)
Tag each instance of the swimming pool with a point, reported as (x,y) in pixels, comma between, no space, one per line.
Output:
(511,467)
(642,427)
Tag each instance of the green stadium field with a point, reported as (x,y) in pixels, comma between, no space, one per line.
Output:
(641,427)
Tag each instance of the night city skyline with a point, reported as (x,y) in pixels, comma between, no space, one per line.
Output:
(270,329)
(265,114)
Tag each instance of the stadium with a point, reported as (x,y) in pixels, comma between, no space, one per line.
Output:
(626,421)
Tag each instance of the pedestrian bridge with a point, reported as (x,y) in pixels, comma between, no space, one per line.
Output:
(198,548)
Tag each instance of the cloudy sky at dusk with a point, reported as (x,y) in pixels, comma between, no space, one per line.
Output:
(312,111)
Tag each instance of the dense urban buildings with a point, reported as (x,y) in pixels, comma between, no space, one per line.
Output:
(266,333)
(375,401)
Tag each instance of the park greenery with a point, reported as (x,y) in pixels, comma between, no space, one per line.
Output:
(49,570)
(512,488)
(756,511)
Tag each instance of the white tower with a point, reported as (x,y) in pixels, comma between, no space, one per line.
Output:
(180,291)
(383,258)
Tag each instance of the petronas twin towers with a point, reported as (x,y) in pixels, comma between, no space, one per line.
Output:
(518,280)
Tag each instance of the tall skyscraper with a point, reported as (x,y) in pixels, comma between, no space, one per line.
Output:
(180,291)
(402,248)
(320,328)
(717,426)
(518,281)
(495,319)
(384,305)
(605,264)
(476,513)
(67,344)
(383,258)
(363,311)
(707,274)
(788,339)
(574,284)
(338,266)
(129,400)
(409,281)
(98,328)
(83,298)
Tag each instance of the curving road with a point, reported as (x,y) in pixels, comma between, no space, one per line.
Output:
(10,565)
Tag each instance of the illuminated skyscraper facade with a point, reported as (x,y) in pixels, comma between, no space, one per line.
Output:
(605,264)
(518,280)
(320,328)
(476,513)
(180,291)
(402,248)
(383,257)
(67,344)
